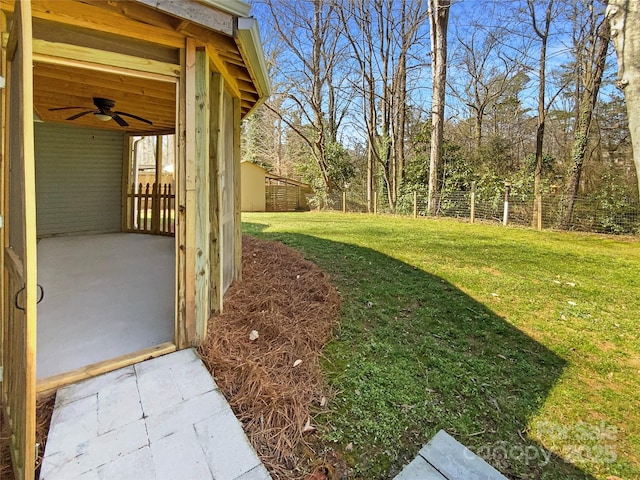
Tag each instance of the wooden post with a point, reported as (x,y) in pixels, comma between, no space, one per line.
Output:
(155,202)
(216,156)
(472,215)
(201,194)
(415,204)
(237,190)
(539,212)
(344,202)
(505,215)
(375,203)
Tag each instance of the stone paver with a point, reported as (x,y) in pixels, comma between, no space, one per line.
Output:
(419,469)
(444,458)
(163,419)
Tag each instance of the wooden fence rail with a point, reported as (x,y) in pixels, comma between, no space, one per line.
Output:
(151,209)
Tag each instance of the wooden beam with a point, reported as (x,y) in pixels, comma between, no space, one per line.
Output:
(181,331)
(190,189)
(202,186)
(237,192)
(50,384)
(194,12)
(97,17)
(221,67)
(126,174)
(101,57)
(216,157)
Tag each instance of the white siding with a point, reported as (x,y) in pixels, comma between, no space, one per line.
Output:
(78,179)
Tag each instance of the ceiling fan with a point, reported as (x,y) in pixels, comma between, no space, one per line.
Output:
(104,112)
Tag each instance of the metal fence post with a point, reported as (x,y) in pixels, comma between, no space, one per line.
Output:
(415,204)
(472,215)
(505,216)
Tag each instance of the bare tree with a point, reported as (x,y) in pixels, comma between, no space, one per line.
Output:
(624,17)
(487,70)
(381,34)
(591,52)
(439,22)
(310,33)
(542,31)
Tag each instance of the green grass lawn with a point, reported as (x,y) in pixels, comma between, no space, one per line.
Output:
(523,345)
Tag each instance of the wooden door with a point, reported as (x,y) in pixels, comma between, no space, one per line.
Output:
(20,282)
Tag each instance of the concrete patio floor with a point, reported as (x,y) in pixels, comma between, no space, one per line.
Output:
(104,296)
(163,419)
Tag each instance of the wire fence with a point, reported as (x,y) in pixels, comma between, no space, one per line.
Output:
(590,214)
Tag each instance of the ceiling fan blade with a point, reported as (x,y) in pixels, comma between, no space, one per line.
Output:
(78,115)
(134,116)
(64,108)
(119,120)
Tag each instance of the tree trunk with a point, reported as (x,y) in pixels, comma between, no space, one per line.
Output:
(583,126)
(438,20)
(543,34)
(624,16)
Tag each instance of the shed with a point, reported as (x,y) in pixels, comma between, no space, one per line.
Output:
(96,76)
(253,191)
(267,192)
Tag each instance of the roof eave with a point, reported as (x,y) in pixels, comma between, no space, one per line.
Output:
(250,45)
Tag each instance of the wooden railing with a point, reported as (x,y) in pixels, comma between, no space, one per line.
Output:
(151,209)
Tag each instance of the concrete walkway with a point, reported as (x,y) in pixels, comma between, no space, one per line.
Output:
(444,458)
(158,420)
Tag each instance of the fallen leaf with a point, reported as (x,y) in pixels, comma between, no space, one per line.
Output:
(308,427)
(349,447)
(557,282)
(502,356)
(297,362)
(571,284)
(495,295)
(563,316)
(254,335)
(323,402)
(572,303)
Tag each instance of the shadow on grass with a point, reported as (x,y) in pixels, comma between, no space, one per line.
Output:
(413,354)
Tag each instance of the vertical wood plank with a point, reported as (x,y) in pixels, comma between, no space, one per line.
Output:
(237,190)
(216,152)
(155,216)
(202,186)
(181,334)
(126,173)
(190,191)
(4,187)
(19,351)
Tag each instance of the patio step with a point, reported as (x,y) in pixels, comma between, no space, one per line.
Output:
(162,419)
(444,458)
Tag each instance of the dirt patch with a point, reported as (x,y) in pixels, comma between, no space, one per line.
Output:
(272,382)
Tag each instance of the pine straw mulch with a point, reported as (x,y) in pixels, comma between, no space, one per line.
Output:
(44,410)
(273,382)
